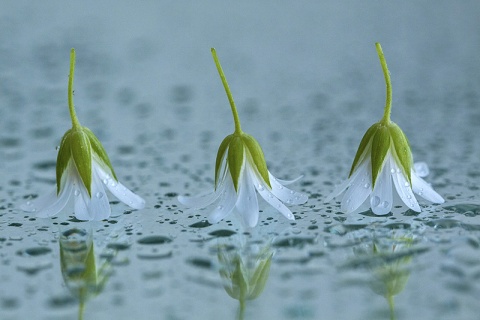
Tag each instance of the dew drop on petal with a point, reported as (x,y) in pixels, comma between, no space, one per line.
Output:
(409,197)
(76,192)
(384,204)
(113,184)
(105,181)
(366,185)
(374,201)
(392,171)
(220,207)
(398,170)
(99,195)
(406,184)
(260,187)
(292,192)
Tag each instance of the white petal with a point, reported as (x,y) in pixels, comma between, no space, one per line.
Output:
(264,191)
(287,182)
(81,198)
(98,206)
(359,188)
(247,203)
(423,189)
(403,187)
(119,190)
(202,200)
(421,169)
(49,204)
(381,199)
(228,198)
(284,194)
(338,189)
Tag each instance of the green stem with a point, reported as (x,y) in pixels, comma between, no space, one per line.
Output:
(241,310)
(71,107)
(238,128)
(81,309)
(391,305)
(388,103)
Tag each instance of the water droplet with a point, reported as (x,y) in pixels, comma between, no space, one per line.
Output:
(57,148)
(280,187)
(366,185)
(398,170)
(289,201)
(260,187)
(76,192)
(374,201)
(292,192)
(348,200)
(220,208)
(152,240)
(270,195)
(113,184)
(409,197)
(29,203)
(392,171)
(99,195)
(406,184)
(105,181)
(384,204)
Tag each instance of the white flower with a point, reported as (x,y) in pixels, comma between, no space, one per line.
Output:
(83,169)
(384,156)
(245,200)
(240,172)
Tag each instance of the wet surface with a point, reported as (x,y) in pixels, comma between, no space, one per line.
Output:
(307,83)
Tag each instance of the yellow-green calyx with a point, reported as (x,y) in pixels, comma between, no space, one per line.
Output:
(79,144)
(380,137)
(240,145)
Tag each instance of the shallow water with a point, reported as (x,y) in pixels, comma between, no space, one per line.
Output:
(307,83)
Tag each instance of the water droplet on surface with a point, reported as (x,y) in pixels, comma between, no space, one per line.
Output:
(392,171)
(409,197)
(222,233)
(219,207)
(406,184)
(152,240)
(113,184)
(76,192)
(260,187)
(99,195)
(105,181)
(366,185)
(292,192)
(384,204)
(398,170)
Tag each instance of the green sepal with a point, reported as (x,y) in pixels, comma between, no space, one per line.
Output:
(367,137)
(380,145)
(402,150)
(63,157)
(100,152)
(220,155)
(235,159)
(257,155)
(82,156)
(75,145)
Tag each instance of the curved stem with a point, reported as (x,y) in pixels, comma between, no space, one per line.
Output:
(238,128)
(388,103)
(71,107)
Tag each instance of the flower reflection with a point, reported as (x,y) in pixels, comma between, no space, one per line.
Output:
(244,271)
(81,273)
(389,263)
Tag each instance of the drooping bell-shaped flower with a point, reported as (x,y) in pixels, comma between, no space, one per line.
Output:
(240,172)
(383,156)
(83,171)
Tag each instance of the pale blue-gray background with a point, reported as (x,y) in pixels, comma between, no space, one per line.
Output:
(307,82)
